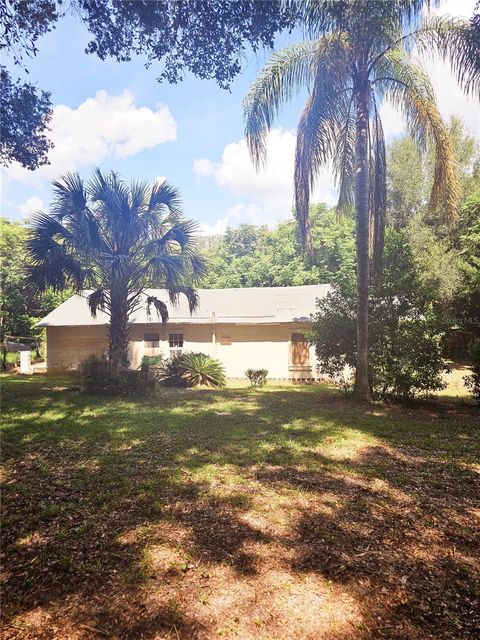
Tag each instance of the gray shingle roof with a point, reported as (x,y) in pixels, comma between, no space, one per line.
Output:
(256,305)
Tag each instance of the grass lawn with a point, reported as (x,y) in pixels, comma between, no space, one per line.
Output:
(283,513)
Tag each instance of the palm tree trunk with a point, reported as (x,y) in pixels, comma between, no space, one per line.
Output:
(118,330)
(362,389)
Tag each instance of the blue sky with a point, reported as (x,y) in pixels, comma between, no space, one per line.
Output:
(116,116)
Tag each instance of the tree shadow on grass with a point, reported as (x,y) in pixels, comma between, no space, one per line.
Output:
(407,549)
(92,483)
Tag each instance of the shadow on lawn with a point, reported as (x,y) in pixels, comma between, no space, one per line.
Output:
(93,482)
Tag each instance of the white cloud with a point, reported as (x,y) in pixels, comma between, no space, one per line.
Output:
(392,121)
(267,196)
(101,127)
(31,206)
(218,227)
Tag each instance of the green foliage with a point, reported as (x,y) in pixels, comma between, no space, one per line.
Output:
(179,35)
(254,256)
(192,370)
(115,239)
(446,253)
(172,372)
(21,306)
(96,377)
(438,261)
(25,115)
(257,377)
(405,330)
(201,369)
(151,361)
(473,381)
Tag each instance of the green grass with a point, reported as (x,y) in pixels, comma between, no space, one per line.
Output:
(135,500)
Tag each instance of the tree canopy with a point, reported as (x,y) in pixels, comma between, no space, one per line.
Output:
(110,240)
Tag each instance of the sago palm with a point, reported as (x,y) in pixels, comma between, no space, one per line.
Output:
(116,239)
(360,55)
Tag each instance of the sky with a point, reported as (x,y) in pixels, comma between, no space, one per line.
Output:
(116,116)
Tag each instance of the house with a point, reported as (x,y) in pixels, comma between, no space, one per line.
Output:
(244,328)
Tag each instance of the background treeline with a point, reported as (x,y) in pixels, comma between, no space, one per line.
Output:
(444,254)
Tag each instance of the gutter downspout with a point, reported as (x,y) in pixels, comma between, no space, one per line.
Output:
(214,333)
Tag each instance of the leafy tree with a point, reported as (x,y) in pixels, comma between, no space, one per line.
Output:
(21,306)
(467,303)
(25,114)
(116,239)
(358,57)
(406,329)
(445,252)
(206,37)
(473,381)
(253,256)
(25,110)
(17,300)
(406,174)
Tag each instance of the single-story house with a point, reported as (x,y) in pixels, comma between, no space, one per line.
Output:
(244,328)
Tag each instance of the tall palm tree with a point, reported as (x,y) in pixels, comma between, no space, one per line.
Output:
(360,54)
(116,239)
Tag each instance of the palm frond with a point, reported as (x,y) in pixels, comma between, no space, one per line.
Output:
(69,196)
(319,129)
(165,270)
(409,89)
(326,16)
(97,301)
(189,292)
(344,160)
(164,197)
(456,41)
(159,306)
(288,71)
(378,190)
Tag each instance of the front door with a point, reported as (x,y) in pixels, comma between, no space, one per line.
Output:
(300,350)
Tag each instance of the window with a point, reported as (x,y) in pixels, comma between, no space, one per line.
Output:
(151,340)
(175,340)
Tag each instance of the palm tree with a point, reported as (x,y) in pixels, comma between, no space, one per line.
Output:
(116,239)
(360,55)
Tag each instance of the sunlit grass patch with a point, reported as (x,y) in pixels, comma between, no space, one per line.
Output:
(255,512)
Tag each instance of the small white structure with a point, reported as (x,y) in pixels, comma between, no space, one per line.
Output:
(244,328)
(26,363)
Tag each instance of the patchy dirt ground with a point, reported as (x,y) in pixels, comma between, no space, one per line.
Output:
(275,514)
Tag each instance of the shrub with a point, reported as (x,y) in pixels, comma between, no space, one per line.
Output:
(96,377)
(172,372)
(472,382)
(257,377)
(202,369)
(405,329)
(151,361)
(191,370)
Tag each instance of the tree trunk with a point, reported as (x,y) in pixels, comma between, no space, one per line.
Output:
(118,330)
(362,389)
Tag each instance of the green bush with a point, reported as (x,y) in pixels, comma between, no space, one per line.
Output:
(191,370)
(96,377)
(405,329)
(257,377)
(151,361)
(473,381)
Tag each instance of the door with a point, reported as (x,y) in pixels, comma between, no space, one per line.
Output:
(300,350)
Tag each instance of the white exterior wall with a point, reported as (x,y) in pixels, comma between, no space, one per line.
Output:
(259,346)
